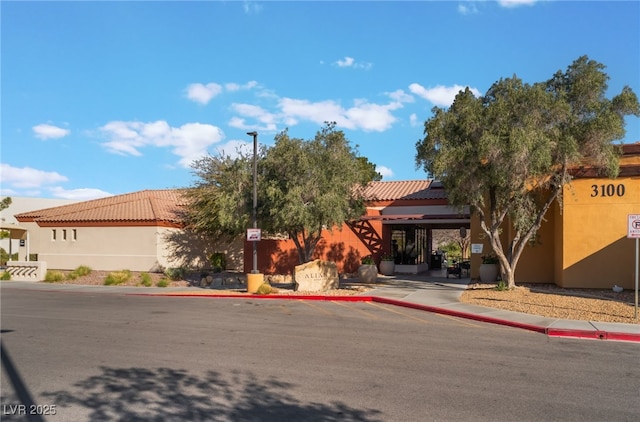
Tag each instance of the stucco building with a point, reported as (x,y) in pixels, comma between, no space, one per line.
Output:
(582,244)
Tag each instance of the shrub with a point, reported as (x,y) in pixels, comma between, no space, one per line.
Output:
(145,279)
(6,275)
(265,289)
(117,277)
(367,260)
(490,259)
(53,276)
(218,262)
(163,283)
(175,273)
(501,286)
(81,271)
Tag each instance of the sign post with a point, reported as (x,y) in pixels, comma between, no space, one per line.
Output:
(633,232)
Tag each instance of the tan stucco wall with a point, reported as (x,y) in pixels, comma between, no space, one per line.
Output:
(133,248)
(596,250)
(101,248)
(584,244)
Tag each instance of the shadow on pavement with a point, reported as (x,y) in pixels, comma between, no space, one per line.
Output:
(137,394)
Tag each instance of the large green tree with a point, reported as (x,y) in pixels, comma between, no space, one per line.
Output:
(508,153)
(304,186)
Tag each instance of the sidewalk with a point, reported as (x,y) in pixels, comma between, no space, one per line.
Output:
(441,295)
(424,292)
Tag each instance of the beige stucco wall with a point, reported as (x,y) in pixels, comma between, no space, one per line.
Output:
(101,248)
(133,248)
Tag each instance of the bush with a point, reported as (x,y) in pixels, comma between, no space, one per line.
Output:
(6,275)
(117,277)
(145,279)
(265,289)
(501,286)
(82,271)
(218,262)
(367,260)
(163,283)
(53,276)
(175,273)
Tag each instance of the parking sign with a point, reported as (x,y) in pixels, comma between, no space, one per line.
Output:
(634,226)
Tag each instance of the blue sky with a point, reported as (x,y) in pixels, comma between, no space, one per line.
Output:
(105,98)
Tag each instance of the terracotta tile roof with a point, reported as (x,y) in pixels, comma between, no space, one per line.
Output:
(404,189)
(143,206)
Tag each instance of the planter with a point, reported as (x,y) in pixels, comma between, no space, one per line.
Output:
(368,273)
(387,267)
(488,273)
(254,281)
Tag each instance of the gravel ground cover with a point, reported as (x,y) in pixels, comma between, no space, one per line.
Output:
(551,301)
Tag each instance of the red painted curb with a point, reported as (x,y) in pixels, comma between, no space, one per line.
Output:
(595,335)
(458,314)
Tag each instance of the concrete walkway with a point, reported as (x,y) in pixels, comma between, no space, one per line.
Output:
(441,294)
(431,292)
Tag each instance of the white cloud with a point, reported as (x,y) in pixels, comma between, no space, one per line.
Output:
(351,62)
(250,7)
(234,148)
(401,96)
(347,62)
(27,177)
(46,131)
(201,93)
(413,119)
(189,141)
(516,3)
(267,121)
(468,8)
(384,171)
(232,86)
(82,194)
(440,95)
(363,115)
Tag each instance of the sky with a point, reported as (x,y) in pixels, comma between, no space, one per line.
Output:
(106,98)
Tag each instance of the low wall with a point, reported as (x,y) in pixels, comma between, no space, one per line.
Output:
(27,270)
(411,269)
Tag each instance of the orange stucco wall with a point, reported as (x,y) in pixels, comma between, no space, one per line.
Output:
(536,264)
(584,244)
(596,249)
(340,246)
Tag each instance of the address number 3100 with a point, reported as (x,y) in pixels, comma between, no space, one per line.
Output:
(607,190)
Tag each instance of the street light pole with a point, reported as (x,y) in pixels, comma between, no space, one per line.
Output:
(255,198)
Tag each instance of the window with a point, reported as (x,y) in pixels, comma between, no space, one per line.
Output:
(74,234)
(53,235)
(64,234)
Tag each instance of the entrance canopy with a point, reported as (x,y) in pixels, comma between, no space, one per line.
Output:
(15,231)
(437,215)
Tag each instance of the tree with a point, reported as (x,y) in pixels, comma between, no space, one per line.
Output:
(508,153)
(304,186)
(4,204)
